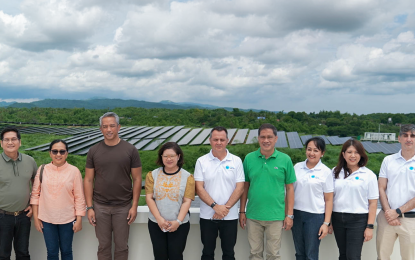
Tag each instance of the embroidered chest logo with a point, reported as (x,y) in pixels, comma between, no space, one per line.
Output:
(357,178)
(168,186)
(411,168)
(315,177)
(229,167)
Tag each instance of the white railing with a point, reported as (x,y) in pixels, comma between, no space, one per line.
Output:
(85,243)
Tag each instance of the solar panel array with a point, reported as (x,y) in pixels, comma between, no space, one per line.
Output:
(201,137)
(252,137)
(325,139)
(240,136)
(150,138)
(304,138)
(185,140)
(294,140)
(282,140)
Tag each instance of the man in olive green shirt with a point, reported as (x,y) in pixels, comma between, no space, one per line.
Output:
(16,173)
(268,173)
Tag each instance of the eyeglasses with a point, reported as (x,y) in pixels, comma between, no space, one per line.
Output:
(55,152)
(169,156)
(13,140)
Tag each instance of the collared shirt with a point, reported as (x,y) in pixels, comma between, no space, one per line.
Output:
(352,195)
(267,178)
(401,179)
(60,196)
(220,178)
(15,177)
(310,187)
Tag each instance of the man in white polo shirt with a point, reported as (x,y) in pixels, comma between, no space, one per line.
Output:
(220,181)
(397,196)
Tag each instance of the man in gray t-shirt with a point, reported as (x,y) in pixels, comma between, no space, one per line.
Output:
(16,173)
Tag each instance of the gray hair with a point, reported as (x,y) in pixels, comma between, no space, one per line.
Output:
(407,128)
(109,114)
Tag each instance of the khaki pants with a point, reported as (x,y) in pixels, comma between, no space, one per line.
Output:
(272,231)
(386,236)
(112,220)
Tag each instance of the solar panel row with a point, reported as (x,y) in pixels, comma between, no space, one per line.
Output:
(240,136)
(294,140)
(282,140)
(304,138)
(252,137)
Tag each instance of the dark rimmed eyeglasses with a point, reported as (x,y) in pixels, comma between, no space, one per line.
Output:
(61,152)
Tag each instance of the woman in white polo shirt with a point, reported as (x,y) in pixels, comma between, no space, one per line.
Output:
(355,201)
(313,201)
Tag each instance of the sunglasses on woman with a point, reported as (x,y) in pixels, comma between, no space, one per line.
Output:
(61,152)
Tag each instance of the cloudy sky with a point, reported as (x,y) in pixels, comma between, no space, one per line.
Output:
(355,56)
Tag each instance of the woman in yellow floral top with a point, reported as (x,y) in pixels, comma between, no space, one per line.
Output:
(169,193)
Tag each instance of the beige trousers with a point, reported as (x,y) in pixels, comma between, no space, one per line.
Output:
(272,231)
(386,236)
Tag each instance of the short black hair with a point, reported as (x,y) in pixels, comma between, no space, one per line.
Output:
(58,141)
(176,148)
(318,142)
(219,129)
(267,126)
(10,129)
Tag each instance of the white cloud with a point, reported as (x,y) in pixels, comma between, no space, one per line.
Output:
(231,53)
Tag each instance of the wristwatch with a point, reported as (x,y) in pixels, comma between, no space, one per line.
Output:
(179,221)
(370,226)
(327,223)
(399,212)
(88,208)
(290,216)
(213,204)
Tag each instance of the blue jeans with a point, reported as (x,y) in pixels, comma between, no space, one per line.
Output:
(349,232)
(305,234)
(16,230)
(58,237)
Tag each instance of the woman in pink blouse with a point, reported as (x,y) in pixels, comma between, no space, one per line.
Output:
(58,202)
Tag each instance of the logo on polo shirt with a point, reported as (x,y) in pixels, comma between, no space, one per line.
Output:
(276,168)
(411,168)
(357,178)
(229,167)
(314,177)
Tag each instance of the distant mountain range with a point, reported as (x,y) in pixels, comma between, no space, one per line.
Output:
(5,104)
(105,103)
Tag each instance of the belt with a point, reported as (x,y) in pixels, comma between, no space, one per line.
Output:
(408,215)
(16,213)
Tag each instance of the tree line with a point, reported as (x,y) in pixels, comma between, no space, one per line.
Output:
(321,123)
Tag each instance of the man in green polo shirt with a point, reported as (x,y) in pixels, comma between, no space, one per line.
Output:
(268,174)
(16,173)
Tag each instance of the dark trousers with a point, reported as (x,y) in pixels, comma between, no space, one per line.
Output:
(227,230)
(16,230)
(112,222)
(349,233)
(58,237)
(168,245)
(305,234)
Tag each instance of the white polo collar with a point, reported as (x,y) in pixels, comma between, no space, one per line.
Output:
(227,158)
(316,168)
(399,156)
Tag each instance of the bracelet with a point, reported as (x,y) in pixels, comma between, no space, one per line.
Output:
(242,212)
(213,204)
(370,226)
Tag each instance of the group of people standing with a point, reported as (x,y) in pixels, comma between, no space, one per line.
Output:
(309,198)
